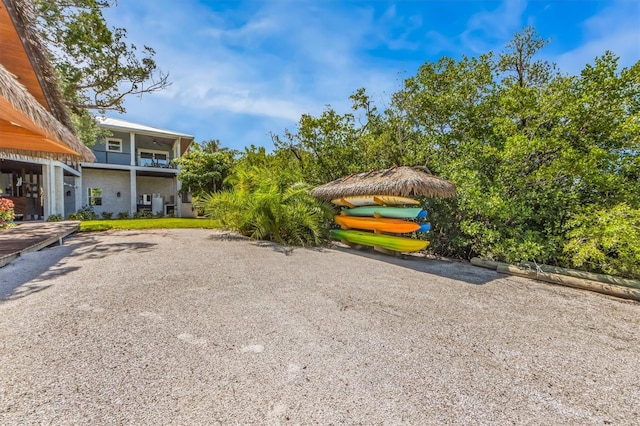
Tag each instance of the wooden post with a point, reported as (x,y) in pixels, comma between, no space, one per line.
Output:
(484,263)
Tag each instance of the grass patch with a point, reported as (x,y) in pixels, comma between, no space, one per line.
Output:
(160,223)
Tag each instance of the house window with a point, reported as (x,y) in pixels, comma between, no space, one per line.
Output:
(114,145)
(95,196)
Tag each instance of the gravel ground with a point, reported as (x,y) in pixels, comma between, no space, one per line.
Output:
(183,327)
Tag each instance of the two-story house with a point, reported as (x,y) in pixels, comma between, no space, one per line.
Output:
(133,172)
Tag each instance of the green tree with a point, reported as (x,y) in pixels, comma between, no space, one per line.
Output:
(205,167)
(528,148)
(534,153)
(97,68)
(325,147)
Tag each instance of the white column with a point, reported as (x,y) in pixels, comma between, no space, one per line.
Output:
(79,192)
(48,189)
(133,191)
(58,191)
(46,179)
(132,137)
(177,207)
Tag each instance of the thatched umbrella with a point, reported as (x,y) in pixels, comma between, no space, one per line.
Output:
(400,181)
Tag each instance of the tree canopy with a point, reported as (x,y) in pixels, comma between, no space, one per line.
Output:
(96,66)
(204,167)
(546,164)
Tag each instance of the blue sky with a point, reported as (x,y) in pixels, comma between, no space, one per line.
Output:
(244,69)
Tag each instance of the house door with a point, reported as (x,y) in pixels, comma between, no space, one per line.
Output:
(21,182)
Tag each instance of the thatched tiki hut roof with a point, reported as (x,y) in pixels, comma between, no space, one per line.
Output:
(30,129)
(401,181)
(33,118)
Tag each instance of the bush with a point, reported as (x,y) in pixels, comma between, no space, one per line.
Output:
(54,218)
(143,214)
(605,241)
(7,214)
(107,215)
(266,206)
(72,216)
(123,215)
(86,213)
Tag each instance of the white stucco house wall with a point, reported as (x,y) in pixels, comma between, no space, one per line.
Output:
(133,171)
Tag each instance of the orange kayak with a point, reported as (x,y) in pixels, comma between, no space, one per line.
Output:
(381,224)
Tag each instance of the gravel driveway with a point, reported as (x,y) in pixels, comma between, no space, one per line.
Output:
(181,327)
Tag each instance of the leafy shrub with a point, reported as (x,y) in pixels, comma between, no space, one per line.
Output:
(143,214)
(7,214)
(265,205)
(605,240)
(86,213)
(54,218)
(107,215)
(72,216)
(123,215)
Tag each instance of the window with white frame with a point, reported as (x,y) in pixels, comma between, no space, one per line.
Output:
(114,145)
(95,196)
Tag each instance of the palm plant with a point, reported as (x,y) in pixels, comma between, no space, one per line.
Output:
(266,205)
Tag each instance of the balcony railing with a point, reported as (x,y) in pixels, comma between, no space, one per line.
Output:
(149,162)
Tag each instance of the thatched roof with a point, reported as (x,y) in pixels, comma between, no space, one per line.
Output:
(23,104)
(400,181)
(24,19)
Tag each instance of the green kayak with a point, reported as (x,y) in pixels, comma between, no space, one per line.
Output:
(388,242)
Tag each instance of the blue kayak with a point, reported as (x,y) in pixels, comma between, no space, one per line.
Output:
(383,211)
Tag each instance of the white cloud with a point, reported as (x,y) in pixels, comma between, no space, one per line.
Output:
(276,61)
(489,29)
(615,28)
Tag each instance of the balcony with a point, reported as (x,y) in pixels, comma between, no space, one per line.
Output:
(155,159)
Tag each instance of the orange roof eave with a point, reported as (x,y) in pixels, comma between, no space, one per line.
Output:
(18,131)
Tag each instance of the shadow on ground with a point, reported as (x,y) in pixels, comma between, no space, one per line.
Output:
(447,268)
(32,272)
(452,269)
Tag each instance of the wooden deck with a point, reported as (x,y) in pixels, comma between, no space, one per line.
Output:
(32,236)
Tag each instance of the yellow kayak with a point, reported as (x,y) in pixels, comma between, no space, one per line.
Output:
(381,224)
(372,200)
(388,242)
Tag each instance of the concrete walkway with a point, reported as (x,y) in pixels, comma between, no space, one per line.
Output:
(26,237)
(179,327)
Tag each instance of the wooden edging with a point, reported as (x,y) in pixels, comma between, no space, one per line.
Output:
(586,275)
(609,288)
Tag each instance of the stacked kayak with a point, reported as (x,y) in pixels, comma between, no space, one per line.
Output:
(384,211)
(388,242)
(380,224)
(376,220)
(371,200)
